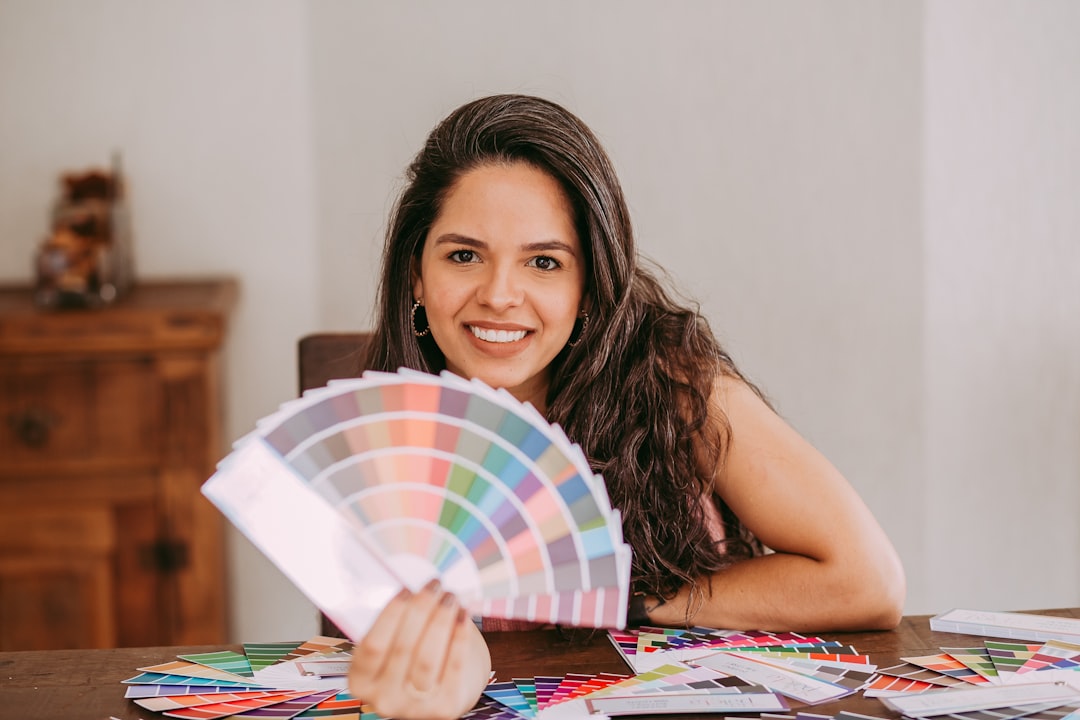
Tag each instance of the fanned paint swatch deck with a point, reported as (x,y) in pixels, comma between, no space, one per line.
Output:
(369,485)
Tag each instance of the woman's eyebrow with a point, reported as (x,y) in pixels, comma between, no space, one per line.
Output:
(460,240)
(538,246)
(548,245)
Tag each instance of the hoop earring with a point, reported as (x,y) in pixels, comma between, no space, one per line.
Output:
(580,333)
(412,314)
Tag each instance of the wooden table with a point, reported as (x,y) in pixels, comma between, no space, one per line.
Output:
(86,684)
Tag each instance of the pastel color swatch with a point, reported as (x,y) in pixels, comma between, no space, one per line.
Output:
(370,485)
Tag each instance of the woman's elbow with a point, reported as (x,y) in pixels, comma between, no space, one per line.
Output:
(885,593)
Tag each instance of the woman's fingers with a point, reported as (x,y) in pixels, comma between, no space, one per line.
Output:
(370,655)
(414,644)
(400,667)
(452,693)
(456,663)
(427,669)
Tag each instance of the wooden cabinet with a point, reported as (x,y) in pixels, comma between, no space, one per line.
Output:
(110,421)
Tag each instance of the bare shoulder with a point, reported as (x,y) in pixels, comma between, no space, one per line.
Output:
(771,475)
(760,443)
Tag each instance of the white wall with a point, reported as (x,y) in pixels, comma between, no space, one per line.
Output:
(873,201)
(1002,324)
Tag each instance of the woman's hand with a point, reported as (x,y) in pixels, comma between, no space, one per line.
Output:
(423,658)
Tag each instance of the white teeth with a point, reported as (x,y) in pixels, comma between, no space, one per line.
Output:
(497,336)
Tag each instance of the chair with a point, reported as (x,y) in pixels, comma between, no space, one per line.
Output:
(323,357)
(326,356)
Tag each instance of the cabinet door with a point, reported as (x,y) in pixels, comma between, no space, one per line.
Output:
(80,575)
(56,577)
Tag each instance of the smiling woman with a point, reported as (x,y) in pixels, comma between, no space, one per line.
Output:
(510,258)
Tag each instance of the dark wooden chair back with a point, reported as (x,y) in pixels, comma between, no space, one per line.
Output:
(327,356)
(323,357)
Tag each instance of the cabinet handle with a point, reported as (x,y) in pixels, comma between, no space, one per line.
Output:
(163,555)
(33,426)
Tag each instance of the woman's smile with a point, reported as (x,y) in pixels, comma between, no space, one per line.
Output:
(500,337)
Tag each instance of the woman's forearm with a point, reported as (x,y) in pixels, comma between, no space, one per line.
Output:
(782,591)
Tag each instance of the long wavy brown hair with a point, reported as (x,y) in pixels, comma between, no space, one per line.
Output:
(633,389)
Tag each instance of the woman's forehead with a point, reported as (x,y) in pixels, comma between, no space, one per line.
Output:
(507,203)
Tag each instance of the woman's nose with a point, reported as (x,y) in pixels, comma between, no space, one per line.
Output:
(501,288)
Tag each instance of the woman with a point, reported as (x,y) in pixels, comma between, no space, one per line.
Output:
(510,258)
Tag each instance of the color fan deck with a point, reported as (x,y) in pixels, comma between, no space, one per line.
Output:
(369,485)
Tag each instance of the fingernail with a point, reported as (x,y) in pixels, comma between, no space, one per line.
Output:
(403,594)
(433,585)
(447,599)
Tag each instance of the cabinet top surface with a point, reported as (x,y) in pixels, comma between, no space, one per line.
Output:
(209,293)
(155,314)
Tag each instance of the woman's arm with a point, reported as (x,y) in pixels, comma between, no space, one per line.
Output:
(423,658)
(833,567)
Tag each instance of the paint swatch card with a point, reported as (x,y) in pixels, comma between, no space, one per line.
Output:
(1013,625)
(948,701)
(1054,654)
(800,687)
(946,664)
(369,485)
(677,703)
(885,685)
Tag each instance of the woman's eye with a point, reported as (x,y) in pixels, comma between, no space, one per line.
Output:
(463,256)
(545,263)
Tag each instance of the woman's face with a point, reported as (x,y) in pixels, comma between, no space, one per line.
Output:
(502,277)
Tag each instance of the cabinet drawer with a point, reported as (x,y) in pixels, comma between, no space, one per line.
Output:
(55,411)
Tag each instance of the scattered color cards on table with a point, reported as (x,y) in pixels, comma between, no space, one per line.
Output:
(368,485)
(995,663)
(646,647)
(994,680)
(577,695)
(268,681)
(262,682)
(767,675)
(804,670)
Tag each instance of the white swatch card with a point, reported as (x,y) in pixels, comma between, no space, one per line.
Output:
(685,703)
(1016,626)
(945,702)
(262,498)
